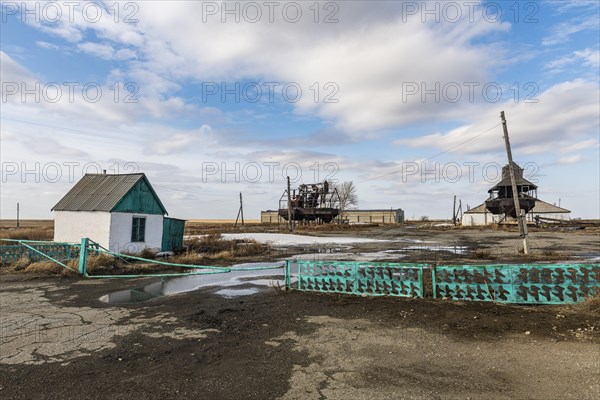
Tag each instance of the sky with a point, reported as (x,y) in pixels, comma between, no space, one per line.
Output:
(214,99)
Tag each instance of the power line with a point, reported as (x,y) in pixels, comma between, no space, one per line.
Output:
(198,193)
(434,156)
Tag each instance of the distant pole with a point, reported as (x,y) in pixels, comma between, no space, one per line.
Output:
(454,211)
(240,213)
(242,208)
(17,215)
(289,203)
(520,214)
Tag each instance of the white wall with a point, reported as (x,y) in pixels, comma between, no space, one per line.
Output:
(120,232)
(476,219)
(71,226)
(488,218)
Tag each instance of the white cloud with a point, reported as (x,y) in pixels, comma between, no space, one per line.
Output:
(562,32)
(106,51)
(48,145)
(573,159)
(588,57)
(564,112)
(569,5)
(12,71)
(46,45)
(372,53)
(124,54)
(103,51)
(180,141)
(369,54)
(578,146)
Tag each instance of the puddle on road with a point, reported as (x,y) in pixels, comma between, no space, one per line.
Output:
(450,249)
(171,286)
(230,293)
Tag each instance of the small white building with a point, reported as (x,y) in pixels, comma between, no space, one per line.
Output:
(481,216)
(121,212)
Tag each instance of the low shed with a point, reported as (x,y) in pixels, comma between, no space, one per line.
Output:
(121,212)
(480,215)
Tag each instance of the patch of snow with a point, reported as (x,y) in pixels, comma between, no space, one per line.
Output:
(368,256)
(451,249)
(286,239)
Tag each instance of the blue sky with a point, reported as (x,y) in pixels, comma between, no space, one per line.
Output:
(398,83)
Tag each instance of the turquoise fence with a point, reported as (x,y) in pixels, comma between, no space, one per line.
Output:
(521,284)
(37,251)
(61,253)
(359,278)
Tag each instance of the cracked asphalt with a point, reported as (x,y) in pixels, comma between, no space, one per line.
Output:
(59,341)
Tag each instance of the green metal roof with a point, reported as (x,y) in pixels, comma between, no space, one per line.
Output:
(102,192)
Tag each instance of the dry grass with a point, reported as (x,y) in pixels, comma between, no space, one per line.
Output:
(45,267)
(213,246)
(222,221)
(105,264)
(591,304)
(35,233)
(49,267)
(483,254)
(187,258)
(199,228)
(147,253)
(21,264)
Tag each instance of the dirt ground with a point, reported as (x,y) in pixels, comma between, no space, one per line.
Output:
(59,341)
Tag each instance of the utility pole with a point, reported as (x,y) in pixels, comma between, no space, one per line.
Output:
(520,214)
(289,204)
(454,211)
(17,215)
(240,212)
(242,208)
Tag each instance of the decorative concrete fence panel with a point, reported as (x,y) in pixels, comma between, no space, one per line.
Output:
(358,278)
(522,284)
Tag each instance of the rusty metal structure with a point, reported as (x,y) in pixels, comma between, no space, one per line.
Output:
(501,200)
(310,202)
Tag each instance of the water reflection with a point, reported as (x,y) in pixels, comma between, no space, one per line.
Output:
(169,286)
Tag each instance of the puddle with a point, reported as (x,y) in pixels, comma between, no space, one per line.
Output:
(589,256)
(290,240)
(170,286)
(364,256)
(450,249)
(231,293)
(326,249)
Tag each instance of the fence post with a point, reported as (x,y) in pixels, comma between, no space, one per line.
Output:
(298,263)
(83,256)
(287,275)
(433,281)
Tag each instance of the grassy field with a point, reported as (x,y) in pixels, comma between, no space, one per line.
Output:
(222,221)
(29,229)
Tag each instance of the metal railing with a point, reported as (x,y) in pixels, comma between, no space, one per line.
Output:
(519,284)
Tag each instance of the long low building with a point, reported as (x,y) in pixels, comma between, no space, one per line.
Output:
(481,216)
(389,216)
